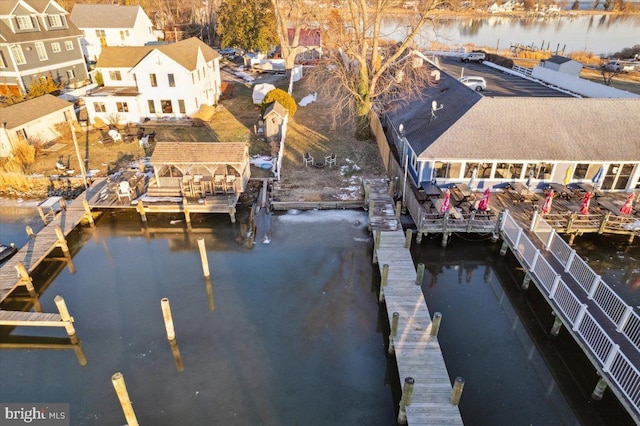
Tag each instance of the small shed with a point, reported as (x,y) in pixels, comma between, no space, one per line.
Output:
(275,121)
(562,64)
(33,121)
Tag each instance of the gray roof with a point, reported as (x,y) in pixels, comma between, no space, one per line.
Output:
(104,15)
(27,111)
(276,108)
(470,126)
(7,35)
(557,59)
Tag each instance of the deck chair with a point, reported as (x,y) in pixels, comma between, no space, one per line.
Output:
(307,158)
(330,160)
(99,124)
(124,190)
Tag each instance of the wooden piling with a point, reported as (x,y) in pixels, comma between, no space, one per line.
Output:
(398,209)
(121,390)
(77,348)
(503,248)
(140,209)
(456,393)
(407,390)
(168,320)
(598,391)
(175,350)
(435,323)
(27,281)
(203,257)
(383,281)
(187,217)
(394,330)
(88,214)
(62,243)
(408,236)
(367,191)
(391,188)
(30,232)
(65,316)
(232,214)
(525,282)
(445,236)
(207,281)
(420,273)
(376,245)
(557,325)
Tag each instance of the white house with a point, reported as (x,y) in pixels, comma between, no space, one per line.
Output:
(111,25)
(33,121)
(171,80)
(562,64)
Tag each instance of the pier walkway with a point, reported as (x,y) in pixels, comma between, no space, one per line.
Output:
(603,325)
(417,350)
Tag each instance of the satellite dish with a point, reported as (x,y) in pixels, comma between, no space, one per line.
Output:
(401,128)
(434,106)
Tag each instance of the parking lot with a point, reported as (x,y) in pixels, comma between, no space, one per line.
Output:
(498,83)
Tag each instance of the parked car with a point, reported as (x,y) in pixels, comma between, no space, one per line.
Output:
(473,57)
(476,83)
(230,52)
(614,66)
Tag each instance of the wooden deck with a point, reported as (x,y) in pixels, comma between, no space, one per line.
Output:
(418,354)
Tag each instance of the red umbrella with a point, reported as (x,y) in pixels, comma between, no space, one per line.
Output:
(626,207)
(446,204)
(584,208)
(546,207)
(483,204)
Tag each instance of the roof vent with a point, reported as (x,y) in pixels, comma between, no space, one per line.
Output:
(434,108)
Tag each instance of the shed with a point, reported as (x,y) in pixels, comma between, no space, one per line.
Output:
(33,121)
(275,120)
(562,64)
(260,91)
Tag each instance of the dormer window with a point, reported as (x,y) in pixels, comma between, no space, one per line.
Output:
(55,21)
(24,22)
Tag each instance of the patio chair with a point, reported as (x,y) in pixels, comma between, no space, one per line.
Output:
(330,160)
(307,158)
(124,190)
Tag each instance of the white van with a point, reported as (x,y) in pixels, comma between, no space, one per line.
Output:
(473,57)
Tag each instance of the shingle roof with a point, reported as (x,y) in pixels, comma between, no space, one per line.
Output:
(308,37)
(200,153)
(470,126)
(8,36)
(557,59)
(104,15)
(277,108)
(27,111)
(184,52)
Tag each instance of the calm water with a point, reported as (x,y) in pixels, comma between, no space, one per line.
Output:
(601,34)
(293,338)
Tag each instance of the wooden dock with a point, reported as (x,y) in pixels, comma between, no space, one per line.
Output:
(427,401)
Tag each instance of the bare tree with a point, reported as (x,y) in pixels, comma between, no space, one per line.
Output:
(362,68)
(608,75)
(295,15)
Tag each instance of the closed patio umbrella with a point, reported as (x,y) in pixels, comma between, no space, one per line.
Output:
(446,203)
(483,204)
(567,176)
(546,206)
(597,177)
(472,182)
(627,206)
(584,207)
(529,179)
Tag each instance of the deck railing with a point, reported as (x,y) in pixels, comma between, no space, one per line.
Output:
(612,361)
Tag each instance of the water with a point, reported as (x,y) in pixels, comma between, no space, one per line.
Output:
(599,33)
(293,338)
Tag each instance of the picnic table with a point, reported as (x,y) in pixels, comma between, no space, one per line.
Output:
(519,192)
(461,193)
(560,189)
(431,189)
(437,203)
(585,187)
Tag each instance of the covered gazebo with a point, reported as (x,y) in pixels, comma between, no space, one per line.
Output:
(200,169)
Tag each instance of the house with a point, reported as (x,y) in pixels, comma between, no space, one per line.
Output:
(38,40)
(111,25)
(452,131)
(33,121)
(163,81)
(309,42)
(562,64)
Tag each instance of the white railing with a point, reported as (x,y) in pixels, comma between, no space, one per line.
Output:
(612,361)
(522,70)
(621,314)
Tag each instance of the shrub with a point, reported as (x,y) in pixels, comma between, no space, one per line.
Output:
(285,99)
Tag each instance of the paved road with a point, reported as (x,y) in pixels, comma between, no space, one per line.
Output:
(498,83)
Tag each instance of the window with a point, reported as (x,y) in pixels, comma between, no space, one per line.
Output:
(153,80)
(68,45)
(18,55)
(447,170)
(115,75)
(166,106)
(172,81)
(581,171)
(152,106)
(508,170)
(22,135)
(181,106)
(3,64)
(99,107)
(122,35)
(42,52)
(71,74)
(54,21)
(55,47)
(539,171)
(100,33)
(24,22)
(122,107)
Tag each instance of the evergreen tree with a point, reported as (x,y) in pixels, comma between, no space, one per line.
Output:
(247,24)
(576,5)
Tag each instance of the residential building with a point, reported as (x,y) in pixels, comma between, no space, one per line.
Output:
(38,40)
(562,64)
(111,25)
(451,131)
(33,121)
(163,81)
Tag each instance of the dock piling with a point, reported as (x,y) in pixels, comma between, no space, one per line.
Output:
(557,325)
(121,390)
(526,281)
(62,243)
(376,245)
(207,282)
(408,237)
(27,281)
(203,257)
(435,323)
(30,232)
(383,281)
(88,214)
(140,209)
(456,393)
(394,330)
(65,316)
(598,391)
(420,274)
(168,320)
(407,390)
